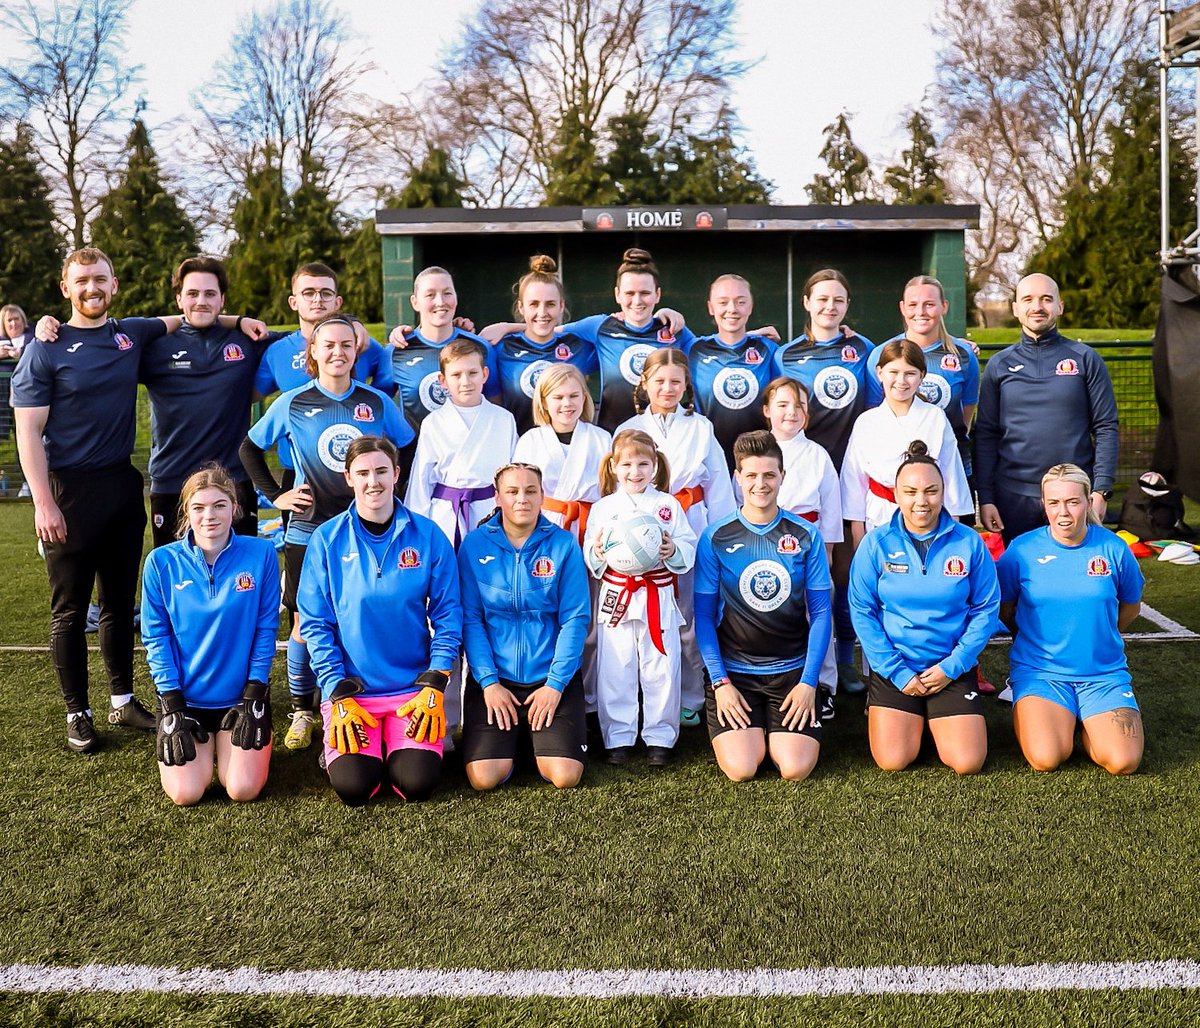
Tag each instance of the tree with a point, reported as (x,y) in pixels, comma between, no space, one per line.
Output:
(260,255)
(30,247)
(713,169)
(531,79)
(71,86)
(633,166)
(434,184)
(362,282)
(849,179)
(1025,89)
(917,178)
(1105,255)
(576,174)
(142,228)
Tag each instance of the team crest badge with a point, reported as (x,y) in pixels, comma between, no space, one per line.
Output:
(123,341)
(664,515)
(409,558)
(244,582)
(765,585)
(955,567)
(753,356)
(1098,568)
(158,520)
(788,544)
(543,567)
(563,352)
(363,412)
(233,352)
(950,363)
(664,336)
(1067,367)
(849,354)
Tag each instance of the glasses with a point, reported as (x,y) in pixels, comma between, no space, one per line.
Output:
(317,294)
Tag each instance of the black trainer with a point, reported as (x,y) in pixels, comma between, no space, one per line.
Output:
(825,708)
(658,756)
(619,756)
(81,734)
(132,715)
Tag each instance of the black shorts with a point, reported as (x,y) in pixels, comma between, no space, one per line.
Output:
(961,696)
(209,718)
(565,736)
(293,562)
(764,693)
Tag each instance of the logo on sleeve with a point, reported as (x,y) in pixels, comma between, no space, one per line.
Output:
(123,341)
(734,388)
(788,544)
(849,354)
(233,352)
(563,352)
(664,515)
(1066,367)
(950,362)
(955,567)
(410,557)
(892,568)
(765,585)
(363,412)
(244,582)
(543,567)
(1098,568)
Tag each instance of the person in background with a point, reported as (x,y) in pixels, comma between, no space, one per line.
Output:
(14,331)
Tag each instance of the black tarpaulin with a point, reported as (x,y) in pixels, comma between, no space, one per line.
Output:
(1177,380)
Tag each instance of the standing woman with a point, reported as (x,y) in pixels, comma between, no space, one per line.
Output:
(381,609)
(319,421)
(1069,589)
(882,435)
(526,611)
(523,357)
(731,368)
(699,480)
(831,363)
(763,622)
(210,612)
(14,331)
(924,597)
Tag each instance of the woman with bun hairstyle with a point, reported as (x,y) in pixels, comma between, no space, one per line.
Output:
(525,355)
(210,612)
(637,649)
(877,444)
(699,480)
(1069,589)
(830,361)
(925,599)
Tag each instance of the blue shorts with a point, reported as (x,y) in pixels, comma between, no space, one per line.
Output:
(1082,697)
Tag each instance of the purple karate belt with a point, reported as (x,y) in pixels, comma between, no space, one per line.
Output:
(461,499)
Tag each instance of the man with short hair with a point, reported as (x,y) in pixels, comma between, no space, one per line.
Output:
(1043,401)
(75,403)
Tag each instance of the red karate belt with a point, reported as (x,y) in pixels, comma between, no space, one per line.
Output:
(884,492)
(572,511)
(811,516)
(630,584)
(689,496)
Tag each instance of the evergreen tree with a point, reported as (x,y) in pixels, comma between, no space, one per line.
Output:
(849,180)
(575,174)
(30,249)
(362,281)
(634,164)
(433,184)
(714,169)
(260,258)
(315,226)
(917,178)
(143,229)
(1105,255)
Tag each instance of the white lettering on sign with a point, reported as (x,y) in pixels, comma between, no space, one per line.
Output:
(654,219)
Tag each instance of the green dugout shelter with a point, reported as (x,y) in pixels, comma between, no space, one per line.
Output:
(878,247)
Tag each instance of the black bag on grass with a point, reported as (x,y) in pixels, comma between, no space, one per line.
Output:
(1153,509)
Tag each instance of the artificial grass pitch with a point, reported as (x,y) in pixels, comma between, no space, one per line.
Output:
(677,869)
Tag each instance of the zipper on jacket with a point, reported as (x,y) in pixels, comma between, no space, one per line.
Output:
(517,605)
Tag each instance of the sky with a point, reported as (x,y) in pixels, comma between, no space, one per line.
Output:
(874,58)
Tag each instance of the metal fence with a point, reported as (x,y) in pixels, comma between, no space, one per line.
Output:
(1128,363)
(1133,383)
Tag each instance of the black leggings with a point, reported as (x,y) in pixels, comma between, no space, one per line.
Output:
(412,774)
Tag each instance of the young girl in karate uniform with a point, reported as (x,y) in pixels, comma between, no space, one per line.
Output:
(700,481)
(638,638)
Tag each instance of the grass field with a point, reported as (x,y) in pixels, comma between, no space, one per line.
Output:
(679,870)
(985,336)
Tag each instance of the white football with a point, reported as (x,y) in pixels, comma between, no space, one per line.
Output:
(632,542)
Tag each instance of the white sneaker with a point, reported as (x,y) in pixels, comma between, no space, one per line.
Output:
(300,733)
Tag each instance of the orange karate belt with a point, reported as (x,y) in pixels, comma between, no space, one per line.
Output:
(572,511)
(691,495)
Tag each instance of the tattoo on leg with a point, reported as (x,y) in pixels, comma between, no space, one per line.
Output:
(1128,720)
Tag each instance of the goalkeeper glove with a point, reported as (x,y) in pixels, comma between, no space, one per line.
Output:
(250,718)
(177,733)
(348,722)
(427,710)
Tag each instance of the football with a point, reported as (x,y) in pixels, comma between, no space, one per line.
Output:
(632,542)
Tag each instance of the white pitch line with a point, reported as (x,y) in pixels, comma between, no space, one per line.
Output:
(604,984)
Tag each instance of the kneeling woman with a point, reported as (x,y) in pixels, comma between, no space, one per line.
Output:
(763,623)
(924,598)
(210,612)
(1068,590)
(526,611)
(376,579)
